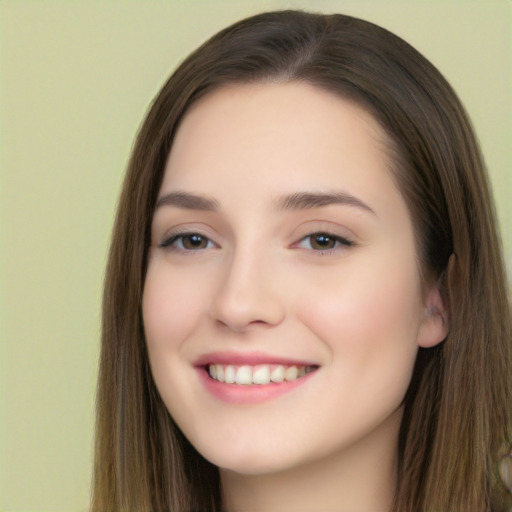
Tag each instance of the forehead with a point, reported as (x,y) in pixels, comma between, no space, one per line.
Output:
(278,104)
(246,147)
(275,126)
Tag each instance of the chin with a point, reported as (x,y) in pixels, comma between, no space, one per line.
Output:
(249,461)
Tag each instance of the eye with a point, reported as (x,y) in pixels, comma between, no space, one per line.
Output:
(324,242)
(188,242)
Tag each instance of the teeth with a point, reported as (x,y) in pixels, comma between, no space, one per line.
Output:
(244,375)
(260,375)
(229,374)
(291,373)
(277,374)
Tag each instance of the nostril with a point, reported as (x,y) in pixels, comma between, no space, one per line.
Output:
(247,296)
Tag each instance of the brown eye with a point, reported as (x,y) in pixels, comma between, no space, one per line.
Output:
(325,242)
(187,242)
(194,241)
(322,241)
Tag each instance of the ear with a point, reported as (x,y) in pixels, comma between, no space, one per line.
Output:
(435,324)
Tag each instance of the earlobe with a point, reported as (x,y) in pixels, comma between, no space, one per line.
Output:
(435,324)
(434,327)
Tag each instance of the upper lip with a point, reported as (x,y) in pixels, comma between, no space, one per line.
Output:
(248,358)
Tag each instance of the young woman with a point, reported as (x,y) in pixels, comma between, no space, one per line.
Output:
(305,304)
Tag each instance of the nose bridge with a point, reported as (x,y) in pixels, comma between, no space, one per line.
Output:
(247,293)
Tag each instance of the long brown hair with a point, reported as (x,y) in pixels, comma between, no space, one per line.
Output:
(457,411)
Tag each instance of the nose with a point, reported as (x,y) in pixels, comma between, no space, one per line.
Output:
(248,294)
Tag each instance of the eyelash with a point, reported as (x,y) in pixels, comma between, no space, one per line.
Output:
(170,242)
(339,242)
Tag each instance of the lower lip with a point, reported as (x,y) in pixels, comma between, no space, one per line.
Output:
(249,394)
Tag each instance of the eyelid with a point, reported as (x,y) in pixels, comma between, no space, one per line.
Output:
(341,242)
(169,239)
(169,242)
(333,228)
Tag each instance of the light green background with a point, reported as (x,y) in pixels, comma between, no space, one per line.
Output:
(76,78)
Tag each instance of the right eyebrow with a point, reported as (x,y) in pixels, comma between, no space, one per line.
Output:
(188,201)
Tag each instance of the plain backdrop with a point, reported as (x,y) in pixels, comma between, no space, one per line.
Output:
(75,80)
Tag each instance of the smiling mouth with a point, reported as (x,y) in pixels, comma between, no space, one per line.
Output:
(261,374)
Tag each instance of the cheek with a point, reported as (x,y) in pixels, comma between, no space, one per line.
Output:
(170,308)
(369,321)
(365,294)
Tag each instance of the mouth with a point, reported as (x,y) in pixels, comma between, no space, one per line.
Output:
(257,375)
(251,378)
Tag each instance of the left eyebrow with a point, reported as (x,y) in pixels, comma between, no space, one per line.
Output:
(305,200)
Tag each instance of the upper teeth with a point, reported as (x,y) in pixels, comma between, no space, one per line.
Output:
(259,374)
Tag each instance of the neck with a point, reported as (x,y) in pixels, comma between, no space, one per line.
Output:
(360,478)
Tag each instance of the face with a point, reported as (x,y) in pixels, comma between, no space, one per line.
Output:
(282,306)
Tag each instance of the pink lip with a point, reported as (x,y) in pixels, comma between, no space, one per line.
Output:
(249,358)
(247,394)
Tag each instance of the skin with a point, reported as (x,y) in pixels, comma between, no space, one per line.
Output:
(260,282)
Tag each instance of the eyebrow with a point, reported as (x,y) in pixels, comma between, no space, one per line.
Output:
(188,201)
(295,201)
(305,200)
